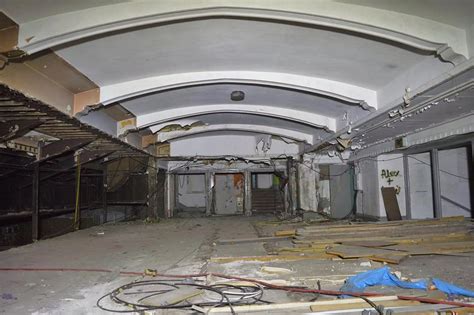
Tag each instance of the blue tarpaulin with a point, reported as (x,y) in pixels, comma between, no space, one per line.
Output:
(384,276)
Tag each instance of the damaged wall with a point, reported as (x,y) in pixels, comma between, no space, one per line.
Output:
(241,145)
(374,173)
(391,174)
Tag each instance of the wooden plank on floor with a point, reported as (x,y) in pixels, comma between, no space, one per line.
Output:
(423,222)
(285,233)
(369,243)
(279,307)
(360,305)
(376,254)
(267,258)
(458,236)
(253,240)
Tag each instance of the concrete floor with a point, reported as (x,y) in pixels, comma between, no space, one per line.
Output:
(177,246)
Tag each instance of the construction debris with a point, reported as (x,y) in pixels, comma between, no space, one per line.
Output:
(388,242)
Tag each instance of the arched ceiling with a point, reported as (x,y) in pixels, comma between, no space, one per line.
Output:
(239,122)
(307,68)
(238,44)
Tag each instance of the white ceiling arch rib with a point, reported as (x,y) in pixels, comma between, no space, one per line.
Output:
(275,131)
(303,117)
(51,31)
(366,98)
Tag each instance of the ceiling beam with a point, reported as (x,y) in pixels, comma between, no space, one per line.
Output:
(61,147)
(275,131)
(12,129)
(415,31)
(345,92)
(307,118)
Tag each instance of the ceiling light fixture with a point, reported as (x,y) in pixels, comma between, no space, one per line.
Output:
(237,96)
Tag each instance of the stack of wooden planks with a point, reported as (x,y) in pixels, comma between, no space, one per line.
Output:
(389,242)
(391,305)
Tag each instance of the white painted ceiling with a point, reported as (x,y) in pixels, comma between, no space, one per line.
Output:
(232,44)
(374,53)
(27,10)
(254,94)
(255,120)
(459,13)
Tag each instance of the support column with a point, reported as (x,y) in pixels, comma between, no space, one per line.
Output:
(35,203)
(247,193)
(104,193)
(438,213)
(308,180)
(209,177)
(152,170)
(292,186)
(169,195)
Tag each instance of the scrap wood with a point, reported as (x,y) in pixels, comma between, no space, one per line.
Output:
(392,223)
(375,254)
(266,258)
(361,305)
(462,236)
(276,270)
(252,240)
(369,243)
(285,233)
(384,229)
(434,248)
(293,305)
(321,249)
(417,233)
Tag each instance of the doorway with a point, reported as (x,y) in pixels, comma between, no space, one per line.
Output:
(191,193)
(267,193)
(229,194)
(440,182)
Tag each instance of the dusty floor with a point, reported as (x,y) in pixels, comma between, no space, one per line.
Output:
(177,246)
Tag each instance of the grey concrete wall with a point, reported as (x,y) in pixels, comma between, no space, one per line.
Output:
(191,191)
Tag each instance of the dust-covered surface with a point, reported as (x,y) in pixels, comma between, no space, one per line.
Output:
(180,246)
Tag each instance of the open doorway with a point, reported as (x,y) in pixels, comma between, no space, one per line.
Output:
(191,193)
(267,193)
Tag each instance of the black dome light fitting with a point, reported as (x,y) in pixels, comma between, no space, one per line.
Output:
(237,96)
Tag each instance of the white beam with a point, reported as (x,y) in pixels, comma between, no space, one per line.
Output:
(276,131)
(408,29)
(336,89)
(307,118)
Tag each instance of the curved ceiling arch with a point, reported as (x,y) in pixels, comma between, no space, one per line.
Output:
(274,131)
(367,98)
(415,32)
(311,119)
